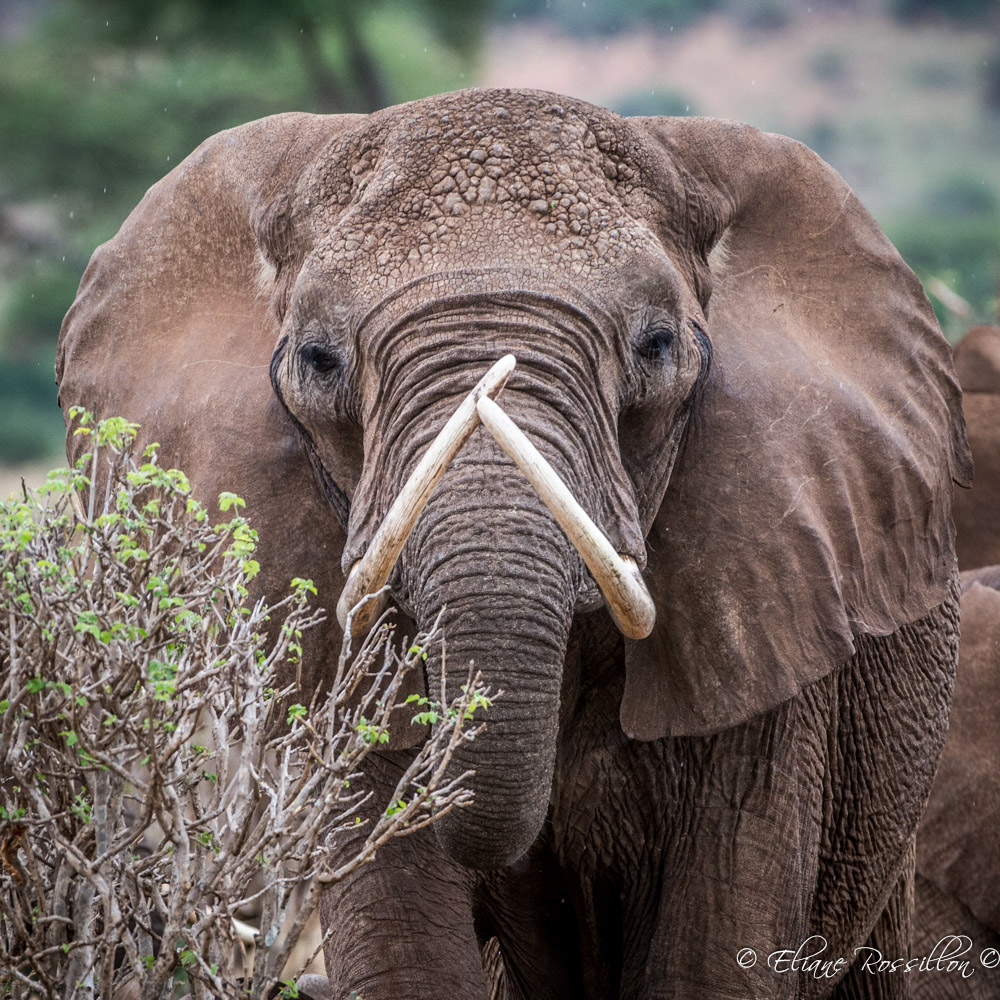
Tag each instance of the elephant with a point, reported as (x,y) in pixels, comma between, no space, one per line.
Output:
(977,511)
(958,875)
(958,872)
(717,737)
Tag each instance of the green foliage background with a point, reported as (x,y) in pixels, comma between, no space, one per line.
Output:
(100,98)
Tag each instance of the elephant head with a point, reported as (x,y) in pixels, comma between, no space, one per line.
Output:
(717,351)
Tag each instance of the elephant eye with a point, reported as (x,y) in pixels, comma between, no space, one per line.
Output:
(656,342)
(319,358)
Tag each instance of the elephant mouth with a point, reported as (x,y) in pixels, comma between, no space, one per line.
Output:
(617,576)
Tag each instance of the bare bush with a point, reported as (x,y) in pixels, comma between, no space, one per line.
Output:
(154,783)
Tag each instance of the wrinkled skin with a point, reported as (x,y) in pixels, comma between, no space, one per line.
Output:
(740,381)
(958,871)
(958,874)
(977,510)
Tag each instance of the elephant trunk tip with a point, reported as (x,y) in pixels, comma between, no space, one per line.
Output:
(483,847)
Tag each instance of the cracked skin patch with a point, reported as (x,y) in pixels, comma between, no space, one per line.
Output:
(543,183)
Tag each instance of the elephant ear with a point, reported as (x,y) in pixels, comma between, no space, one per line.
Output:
(812,498)
(172,328)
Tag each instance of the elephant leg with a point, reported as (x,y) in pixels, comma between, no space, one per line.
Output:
(402,924)
(869,977)
(494,969)
(939,918)
(737,864)
(528,907)
(887,730)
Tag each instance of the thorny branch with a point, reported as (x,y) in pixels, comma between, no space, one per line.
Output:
(155,787)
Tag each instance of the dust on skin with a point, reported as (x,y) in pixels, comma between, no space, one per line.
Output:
(544,183)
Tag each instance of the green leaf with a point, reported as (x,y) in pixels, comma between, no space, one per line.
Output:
(227,500)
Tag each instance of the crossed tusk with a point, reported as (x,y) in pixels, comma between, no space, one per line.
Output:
(371,572)
(626,595)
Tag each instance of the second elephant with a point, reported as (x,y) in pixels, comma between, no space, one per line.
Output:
(977,510)
(958,843)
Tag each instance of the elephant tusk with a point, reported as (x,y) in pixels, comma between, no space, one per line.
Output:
(371,572)
(623,588)
(246,933)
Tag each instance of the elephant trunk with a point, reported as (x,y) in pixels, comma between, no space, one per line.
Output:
(507,578)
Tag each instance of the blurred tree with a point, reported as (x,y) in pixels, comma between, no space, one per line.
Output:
(652,101)
(599,17)
(957,244)
(969,10)
(102,97)
(354,82)
(991,82)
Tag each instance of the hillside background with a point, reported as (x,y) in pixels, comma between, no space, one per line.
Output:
(100,98)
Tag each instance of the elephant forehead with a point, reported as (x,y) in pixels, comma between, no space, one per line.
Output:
(483,173)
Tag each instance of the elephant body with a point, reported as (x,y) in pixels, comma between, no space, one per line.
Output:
(958,850)
(646,878)
(958,844)
(730,369)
